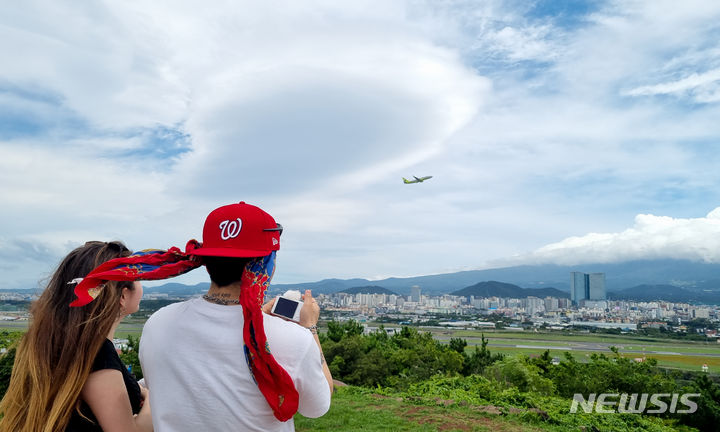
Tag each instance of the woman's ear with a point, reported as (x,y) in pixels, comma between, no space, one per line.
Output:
(123,296)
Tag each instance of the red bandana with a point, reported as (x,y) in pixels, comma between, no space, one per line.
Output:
(149,264)
(272,380)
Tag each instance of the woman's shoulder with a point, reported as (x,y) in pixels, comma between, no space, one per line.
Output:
(107,357)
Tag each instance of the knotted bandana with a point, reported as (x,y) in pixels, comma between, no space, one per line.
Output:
(149,264)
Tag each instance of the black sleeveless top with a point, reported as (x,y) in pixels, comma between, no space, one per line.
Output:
(107,358)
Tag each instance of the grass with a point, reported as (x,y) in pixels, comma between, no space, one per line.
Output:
(573,343)
(128,327)
(351,411)
(358,409)
(565,337)
(690,363)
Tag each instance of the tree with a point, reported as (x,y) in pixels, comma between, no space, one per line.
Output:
(519,373)
(458,345)
(476,362)
(6,367)
(707,416)
(129,356)
(378,359)
(337,331)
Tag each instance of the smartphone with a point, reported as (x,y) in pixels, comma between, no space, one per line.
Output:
(286,308)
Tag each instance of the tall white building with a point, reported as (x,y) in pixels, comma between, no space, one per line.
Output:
(415,294)
(587,286)
(596,286)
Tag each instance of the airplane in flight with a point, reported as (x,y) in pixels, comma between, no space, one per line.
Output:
(417,179)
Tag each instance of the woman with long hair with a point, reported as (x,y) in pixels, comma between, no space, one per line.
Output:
(67,375)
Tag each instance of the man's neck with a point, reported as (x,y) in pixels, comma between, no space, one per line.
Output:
(231,291)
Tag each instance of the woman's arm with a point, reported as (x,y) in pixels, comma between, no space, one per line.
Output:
(106,395)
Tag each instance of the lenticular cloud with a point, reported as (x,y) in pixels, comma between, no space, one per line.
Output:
(651,237)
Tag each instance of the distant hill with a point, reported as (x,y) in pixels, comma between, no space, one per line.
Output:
(668,293)
(691,280)
(618,276)
(178,289)
(373,289)
(501,289)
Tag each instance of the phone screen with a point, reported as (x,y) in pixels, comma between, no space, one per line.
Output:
(285,307)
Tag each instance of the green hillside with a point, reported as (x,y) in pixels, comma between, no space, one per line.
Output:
(449,405)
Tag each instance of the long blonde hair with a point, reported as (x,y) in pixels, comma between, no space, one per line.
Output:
(55,356)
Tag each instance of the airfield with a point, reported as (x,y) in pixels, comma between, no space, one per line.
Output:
(671,353)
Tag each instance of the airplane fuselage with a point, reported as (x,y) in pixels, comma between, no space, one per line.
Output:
(417,179)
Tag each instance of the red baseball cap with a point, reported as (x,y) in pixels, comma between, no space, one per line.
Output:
(239,230)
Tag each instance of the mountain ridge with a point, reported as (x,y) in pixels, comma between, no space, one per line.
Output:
(691,279)
(371,289)
(502,289)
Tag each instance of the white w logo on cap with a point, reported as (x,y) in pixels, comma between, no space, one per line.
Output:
(230,228)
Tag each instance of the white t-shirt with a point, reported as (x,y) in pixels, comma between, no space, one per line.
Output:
(194,365)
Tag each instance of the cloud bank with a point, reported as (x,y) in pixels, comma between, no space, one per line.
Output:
(651,237)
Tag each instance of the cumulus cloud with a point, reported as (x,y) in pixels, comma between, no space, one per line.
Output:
(651,237)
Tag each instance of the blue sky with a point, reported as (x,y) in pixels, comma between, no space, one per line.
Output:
(556,131)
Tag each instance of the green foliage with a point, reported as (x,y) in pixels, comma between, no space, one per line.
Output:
(520,373)
(129,356)
(480,358)
(8,340)
(707,417)
(458,344)
(604,374)
(413,366)
(6,366)
(337,331)
(379,359)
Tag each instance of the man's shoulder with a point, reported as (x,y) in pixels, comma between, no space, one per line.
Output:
(168,312)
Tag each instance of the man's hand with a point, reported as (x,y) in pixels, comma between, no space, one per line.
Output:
(267,307)
(310,312)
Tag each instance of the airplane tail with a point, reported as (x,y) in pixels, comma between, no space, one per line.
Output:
(406,181)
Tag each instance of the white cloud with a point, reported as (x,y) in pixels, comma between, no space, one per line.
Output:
(112,75)
(704,87)
(651,237)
